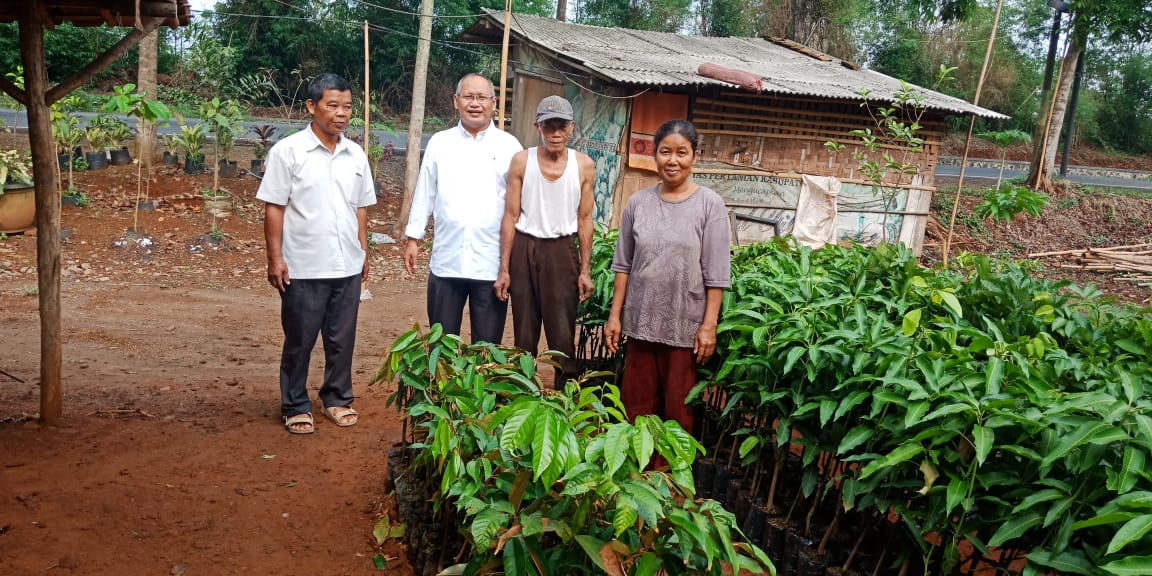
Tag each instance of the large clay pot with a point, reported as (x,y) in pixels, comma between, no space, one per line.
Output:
(17,208)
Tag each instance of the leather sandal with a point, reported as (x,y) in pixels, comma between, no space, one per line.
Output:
(342,416)
(303,422)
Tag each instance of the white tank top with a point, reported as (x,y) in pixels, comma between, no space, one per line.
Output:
(548,208)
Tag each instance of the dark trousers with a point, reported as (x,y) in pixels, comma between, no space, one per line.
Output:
(446,298)
(309,308)
(657,379)
(544,292)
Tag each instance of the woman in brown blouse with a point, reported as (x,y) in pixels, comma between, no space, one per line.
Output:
(672,265)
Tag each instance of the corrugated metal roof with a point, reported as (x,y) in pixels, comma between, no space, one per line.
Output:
(663,59)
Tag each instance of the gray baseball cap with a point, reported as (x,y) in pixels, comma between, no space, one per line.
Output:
(553,107)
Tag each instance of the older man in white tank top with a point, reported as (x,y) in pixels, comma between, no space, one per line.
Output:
(548,207)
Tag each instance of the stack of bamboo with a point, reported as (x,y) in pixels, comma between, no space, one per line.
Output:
(1134,260)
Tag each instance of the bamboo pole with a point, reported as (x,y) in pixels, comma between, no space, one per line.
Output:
(971,128)
(367,102)
(504,63)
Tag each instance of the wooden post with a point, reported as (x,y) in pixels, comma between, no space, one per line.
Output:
(146,84)
(416,116)
(504,62)
(47,208)
(367,102)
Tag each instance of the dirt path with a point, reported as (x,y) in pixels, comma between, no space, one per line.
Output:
(171,457)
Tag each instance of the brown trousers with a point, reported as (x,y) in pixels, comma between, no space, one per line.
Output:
(544,272)
(657,379)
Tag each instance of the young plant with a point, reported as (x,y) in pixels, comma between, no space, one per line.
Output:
(118,133)
(224,119)
(1003,139)
(98,133)
(127,101)
(191,141)
(68,135)
(80,199)
(555,482)
(890,154)
(15,168)
(264,132)
(1007,201)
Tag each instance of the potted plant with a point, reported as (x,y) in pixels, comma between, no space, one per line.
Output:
(225,121)
(260,148)
(118,134)
(171,158)
(67,134)
(99,139)
(17,195)
(190,141)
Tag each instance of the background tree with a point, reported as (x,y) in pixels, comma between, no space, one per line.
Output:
(1114,21)
(655,15)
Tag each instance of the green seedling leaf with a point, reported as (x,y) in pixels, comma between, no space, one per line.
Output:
(1015,527)
(379,561)
(911,322)
(902,453)
(1132,531)
(983,438)
(854,438)
(1068,562)
(952,303)
(1130,566)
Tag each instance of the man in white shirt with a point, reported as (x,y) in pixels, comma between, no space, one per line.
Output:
(317,189)
(462,183)
(548,207)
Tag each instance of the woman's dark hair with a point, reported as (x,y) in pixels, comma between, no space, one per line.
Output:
(325,82)
(678,126)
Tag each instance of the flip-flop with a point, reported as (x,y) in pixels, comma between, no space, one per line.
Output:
(342,416)
(303,418)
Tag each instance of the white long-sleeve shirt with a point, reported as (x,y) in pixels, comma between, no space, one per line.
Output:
(462,184)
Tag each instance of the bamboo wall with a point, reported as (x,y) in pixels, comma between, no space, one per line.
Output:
(776,139)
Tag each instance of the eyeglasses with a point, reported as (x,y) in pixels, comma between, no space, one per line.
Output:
(475,98)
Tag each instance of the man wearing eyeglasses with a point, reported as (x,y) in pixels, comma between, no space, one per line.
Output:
(549,207)
(462,182)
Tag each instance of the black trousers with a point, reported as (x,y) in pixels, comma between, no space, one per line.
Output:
(446,298)
(308,308)
(544,293)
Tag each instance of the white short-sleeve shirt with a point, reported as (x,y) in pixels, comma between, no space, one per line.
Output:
(321,192)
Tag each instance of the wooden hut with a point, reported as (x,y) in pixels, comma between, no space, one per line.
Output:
(764,120)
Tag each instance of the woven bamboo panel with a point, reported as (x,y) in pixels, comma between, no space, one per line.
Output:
(788,135)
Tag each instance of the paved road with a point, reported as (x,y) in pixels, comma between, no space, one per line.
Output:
(950,174)
(400,141)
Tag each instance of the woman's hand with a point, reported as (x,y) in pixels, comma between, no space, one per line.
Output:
(705,343)
(612,333)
